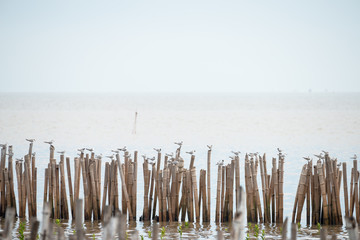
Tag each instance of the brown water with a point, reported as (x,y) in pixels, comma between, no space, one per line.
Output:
(301,124)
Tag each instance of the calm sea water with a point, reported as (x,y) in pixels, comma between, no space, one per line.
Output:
(300,123)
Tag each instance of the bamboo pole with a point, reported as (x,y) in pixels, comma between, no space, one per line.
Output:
(208,183)
(302,190)
(194,184)
(345,191)
(124,187)
(323,192)
(218,190)
(156,187)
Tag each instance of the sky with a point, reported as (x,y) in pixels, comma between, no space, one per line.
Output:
(179,46)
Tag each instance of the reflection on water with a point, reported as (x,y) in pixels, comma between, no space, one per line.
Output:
(191,230)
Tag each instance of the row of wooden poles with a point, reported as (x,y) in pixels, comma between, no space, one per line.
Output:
(26,174)
(162,188)
(174,192)
(319,186)
(271,208)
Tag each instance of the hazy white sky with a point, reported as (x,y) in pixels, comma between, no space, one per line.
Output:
(180,45)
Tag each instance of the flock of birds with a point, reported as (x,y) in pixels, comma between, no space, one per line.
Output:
(171,159)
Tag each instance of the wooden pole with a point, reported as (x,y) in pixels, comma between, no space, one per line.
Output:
(124,187)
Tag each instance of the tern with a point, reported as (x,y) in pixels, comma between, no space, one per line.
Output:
(236,153)
(232,157)
(49,142)
(174,162)
(10,154)
(33,154)
(3,145)
(98,156)
(19,159)
(179,143)
(354,157)
(90,149)
(30,140)
(169,154)
(111,157)
(144,156)
(220,163)
(157,149)
(279,150)
(326,153)
(122,149)
(81,150)
(306,158)
(61,152)
(191,152)
(319,156)
(209,147)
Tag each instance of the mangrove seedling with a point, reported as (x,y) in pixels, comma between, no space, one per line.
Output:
(149,234)
(262,235)
(318,226)
(162,232)
(21,230)
(256,231)
(180,230)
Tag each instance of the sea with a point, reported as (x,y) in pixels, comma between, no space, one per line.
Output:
(301,124)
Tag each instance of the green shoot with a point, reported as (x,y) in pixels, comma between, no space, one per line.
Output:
(21,230)
(162,232)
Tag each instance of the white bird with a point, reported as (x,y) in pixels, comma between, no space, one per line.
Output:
(90,149)
(81,150)
(306,158)
(251,155)
(3,145)
(10,154)
(191,152)
(144,156)
(61,152)
(279,150)
(179,143)
(354,157)
(98,156)
(30,140)
(19,159)
(319,156)
(157,149)
(122,149)
(49,142)
(174,162)
(236,153)
(220,163)
(326,153)
(209,147)
(111,157)
(169,154)
(115,151)
(232,157)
